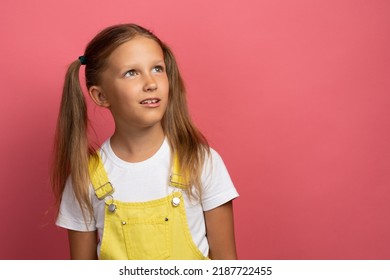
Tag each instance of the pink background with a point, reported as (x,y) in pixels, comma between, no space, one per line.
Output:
(294,95)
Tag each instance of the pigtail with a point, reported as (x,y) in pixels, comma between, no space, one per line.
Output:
(185,139)
(72,150)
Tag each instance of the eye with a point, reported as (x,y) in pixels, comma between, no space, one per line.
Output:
(158,69)
(130,73)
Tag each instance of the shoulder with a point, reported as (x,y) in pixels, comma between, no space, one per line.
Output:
(218,187)
(213,162)
(214,154)
(71,216)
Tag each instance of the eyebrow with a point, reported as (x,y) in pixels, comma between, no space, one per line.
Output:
(135,65)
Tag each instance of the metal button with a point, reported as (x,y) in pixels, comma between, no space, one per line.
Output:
(176,201)
(111,208)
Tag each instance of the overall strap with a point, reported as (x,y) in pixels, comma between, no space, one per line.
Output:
(103,187)
(177,179)
(99,179)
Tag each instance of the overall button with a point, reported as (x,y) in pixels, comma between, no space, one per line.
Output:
(111,208)
(176,201)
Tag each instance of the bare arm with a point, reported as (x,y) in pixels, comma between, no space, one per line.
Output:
(83,245)
(220,232)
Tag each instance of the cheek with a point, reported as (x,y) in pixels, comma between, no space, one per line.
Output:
(125,91)
(165,86)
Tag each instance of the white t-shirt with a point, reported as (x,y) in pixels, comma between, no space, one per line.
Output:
(148,180)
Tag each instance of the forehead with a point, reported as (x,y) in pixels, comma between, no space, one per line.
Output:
(136,51)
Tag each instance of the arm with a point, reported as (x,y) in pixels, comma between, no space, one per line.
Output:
(83,245)
(220,232)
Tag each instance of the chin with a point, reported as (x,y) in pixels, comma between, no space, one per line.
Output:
(151,123)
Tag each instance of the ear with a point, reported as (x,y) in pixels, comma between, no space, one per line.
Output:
(98,96)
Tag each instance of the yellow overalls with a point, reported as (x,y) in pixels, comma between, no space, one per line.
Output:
(152,230)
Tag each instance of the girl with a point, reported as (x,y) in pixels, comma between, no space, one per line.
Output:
(154,190)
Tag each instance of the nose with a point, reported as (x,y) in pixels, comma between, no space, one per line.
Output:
(150,83)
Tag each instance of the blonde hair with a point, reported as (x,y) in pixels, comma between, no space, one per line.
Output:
(72,147)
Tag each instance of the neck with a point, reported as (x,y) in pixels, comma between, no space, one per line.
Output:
(138,144)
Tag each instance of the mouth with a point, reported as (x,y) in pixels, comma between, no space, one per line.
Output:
(150,101)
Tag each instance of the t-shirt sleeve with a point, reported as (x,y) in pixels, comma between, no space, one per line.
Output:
(218,187)
(70,215)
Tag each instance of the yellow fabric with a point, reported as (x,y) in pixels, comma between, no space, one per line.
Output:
(177,179)
(151,230)
(99,179)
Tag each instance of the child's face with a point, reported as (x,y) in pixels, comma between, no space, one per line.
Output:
(134,85)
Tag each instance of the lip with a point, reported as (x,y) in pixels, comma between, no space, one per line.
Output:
(151,105)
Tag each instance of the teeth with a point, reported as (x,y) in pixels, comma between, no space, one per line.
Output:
(149,101)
